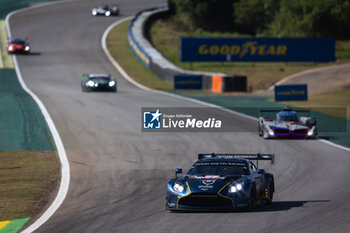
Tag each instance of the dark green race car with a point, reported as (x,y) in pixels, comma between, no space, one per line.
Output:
(98,82)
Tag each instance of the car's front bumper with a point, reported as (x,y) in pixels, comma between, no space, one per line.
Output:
(101,88)
(285,133)
(207,202)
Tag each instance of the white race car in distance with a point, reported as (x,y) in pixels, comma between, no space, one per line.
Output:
(105,10)
(288,124)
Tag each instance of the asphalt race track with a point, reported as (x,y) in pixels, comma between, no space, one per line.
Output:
(119,174)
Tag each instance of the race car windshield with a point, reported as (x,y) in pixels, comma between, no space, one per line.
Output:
(100,78)
(18,41)
(219,169)
(289,117)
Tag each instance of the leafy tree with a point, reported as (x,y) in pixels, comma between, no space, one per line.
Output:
(252,16)
(207,14)
(280,18)
(312,18)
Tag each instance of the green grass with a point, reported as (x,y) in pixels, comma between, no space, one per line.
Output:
(238,103)
(5,59)
(337,99)
(342,50)
(165,36)
(117,43)
(26,179)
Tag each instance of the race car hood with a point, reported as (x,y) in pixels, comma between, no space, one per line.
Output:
(17,46)
(286,125)
(209,184)
(101,81)
(100,10)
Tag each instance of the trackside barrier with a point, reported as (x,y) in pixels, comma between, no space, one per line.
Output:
(228,83)
(134,45)
(189,82)
(138,39)
(216,84)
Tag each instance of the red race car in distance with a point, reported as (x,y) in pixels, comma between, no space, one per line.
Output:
(17,45)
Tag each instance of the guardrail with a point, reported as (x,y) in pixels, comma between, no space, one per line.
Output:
(138,39)
(135,46)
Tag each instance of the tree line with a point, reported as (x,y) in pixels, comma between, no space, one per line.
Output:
(276,18)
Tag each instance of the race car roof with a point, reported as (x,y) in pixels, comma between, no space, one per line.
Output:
(283,113)
(222,162)
(17,41)
(99,75)
(239,156)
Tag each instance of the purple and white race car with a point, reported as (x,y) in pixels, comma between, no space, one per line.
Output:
(105,10)
(288,124)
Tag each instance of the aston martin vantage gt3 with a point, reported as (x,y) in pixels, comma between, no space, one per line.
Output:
(221,182)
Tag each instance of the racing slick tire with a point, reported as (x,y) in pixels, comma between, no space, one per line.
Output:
(260,130)
(252,200)
(269,200)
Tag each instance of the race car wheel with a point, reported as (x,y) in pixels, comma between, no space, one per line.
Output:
(252,200)
(260,130)
(269,200)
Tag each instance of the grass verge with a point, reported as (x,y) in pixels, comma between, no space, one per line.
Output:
(26,179)
(120,50)
(337,99)
(165,36)
(137,71)
(5,59)
(117,43)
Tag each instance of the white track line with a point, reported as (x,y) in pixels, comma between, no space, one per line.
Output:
(65,171)
(132,81)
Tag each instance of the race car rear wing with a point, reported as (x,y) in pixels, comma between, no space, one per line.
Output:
(255,157)
(279,110)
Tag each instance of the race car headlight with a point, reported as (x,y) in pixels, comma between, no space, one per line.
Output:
(108,13)
(232,189)
(311,132)
(270,131)
(27,48)
(178,187)
(111,83)
(10,47)
(235,188)
(90,84)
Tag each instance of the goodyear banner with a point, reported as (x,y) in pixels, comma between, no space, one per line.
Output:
(295,92)
(187,82)
(257,49)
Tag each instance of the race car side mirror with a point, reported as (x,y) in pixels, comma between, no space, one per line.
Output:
(178,171)
(261,171)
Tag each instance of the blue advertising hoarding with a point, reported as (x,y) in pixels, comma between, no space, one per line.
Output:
(187,82)
(257,49)
(294,92)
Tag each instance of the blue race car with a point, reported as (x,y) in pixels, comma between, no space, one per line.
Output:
(221,182)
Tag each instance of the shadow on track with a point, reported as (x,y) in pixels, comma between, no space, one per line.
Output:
(28,54)
(274,206)
(284,205)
